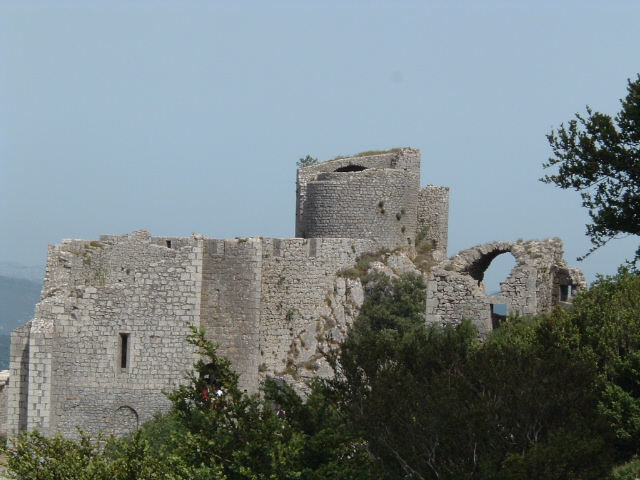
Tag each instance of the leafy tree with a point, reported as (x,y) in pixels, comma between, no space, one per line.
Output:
(236,436)
(35,457)
(436,402)
(606,320)
(401,384)
(541,392)
(331,448)
(627,471)
(232,436)
(307,161)
(599,156)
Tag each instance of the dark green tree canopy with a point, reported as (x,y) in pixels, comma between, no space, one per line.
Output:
(599,157)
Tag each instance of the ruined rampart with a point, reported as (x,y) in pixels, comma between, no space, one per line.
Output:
(456,289)
(109,334)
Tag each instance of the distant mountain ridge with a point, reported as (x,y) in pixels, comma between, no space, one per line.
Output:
(19,292)
(17,270)
(18,298)
(5,345)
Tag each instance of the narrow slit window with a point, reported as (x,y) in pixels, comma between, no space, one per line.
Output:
(168,243)
(124,350)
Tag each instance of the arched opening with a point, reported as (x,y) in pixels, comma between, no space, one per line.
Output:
(497,272)
(125,421)
(351,168)
(490,271)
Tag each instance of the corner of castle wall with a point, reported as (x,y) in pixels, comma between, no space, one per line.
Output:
(433,215)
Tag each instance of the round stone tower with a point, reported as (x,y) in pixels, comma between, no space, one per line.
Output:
(372,196)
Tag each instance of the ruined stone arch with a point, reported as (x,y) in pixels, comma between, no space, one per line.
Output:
(475,261)
(478,268)
(498,272)
(539,280)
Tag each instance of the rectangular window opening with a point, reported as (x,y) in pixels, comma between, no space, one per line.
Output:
(499,313)
(564,293)
(168,243)
(124,350)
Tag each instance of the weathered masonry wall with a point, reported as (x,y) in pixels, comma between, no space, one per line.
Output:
(455,289)
(17,396)
(402,159)
(231,299)
(298,274)
(95,295)
(380,204)
(433,215)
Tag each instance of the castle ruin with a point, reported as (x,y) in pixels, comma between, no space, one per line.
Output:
(108,336)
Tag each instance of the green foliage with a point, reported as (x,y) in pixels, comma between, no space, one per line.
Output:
(424,250)
(306,161)
(627,471)
(369,153)
(32,456)
(236,436)
(231,436)
(565,454)
(363,264)
(331,448)
(159,431)
(528,402)
(600,157)
(606,321)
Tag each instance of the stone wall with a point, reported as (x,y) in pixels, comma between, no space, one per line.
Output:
(298,275)
(109,334)
(17,396)
(403,159)
(231,298)
(379,204)
(456,291)
(95,295)
(566,283)
(433,215)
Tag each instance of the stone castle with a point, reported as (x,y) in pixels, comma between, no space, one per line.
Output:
(108,336)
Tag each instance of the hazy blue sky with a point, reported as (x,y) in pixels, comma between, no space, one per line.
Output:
(188,116)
